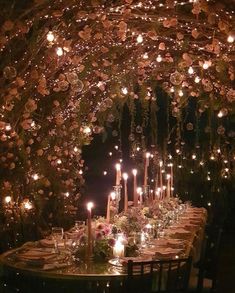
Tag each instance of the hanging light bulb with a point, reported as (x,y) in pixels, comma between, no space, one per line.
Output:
(180,93)
(59,51)
(35,177)
(124,90)
(197,79)
(139,39)
(7,199)
(159,58)
(206,65)
(190,70)
(230,39)
(50,36)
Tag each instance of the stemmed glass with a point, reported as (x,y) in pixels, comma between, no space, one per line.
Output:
(57,234)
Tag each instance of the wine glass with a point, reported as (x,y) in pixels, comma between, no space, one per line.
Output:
(57,234)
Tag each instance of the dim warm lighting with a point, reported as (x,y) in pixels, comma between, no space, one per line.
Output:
(75,149)
(201,163)
(67,194)
(59,51)
(138,149)
(80,172)
(8,199)
(168,176)
(118,167)
(197,79)
(116,147)
(50,36)
(110,154)
(194,157)
(59,161)
(105,173)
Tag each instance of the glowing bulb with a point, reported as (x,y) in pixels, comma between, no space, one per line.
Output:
(220,114)
(67,194)
(118,167)
(139,39)
(80,172)
(206,65)
(134,172)
(226,169)
(159,58)
(147,155)
(125,176)
(110,154)
(124,91)
(209,204)
(212,157)
(28,205)
(145,56)
(105,173)
(230,39)
(197,79)
(35,177)
(116,147)
(8,127)
(59,161)
(139,190)
(75,149)
(201,163)
(138,149)
(168,176)
(59,51)
(50,36)
(180,167)
(208,178)
(180,93)
(7,199)
(113,195)
(172,90)
(90,205)
(87,130)
(194,157)
(190,70)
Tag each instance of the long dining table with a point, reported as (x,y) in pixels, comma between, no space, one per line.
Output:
(35,267)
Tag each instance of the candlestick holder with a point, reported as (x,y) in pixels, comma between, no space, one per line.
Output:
(146,193)
(117,190)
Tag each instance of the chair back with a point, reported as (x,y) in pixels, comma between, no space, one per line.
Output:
(158,275)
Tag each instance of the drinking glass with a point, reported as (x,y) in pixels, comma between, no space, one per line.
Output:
(57,234)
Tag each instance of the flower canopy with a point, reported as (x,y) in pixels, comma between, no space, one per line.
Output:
(67,67)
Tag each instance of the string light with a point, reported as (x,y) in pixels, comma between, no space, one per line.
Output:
(125,91)
(87,130)
(197,79)
(59,51)
(105,173)
(139,39)
(7,199)
(190,70)
(230,39)
(50,36)
(28,205)
(35,176)
(159,58)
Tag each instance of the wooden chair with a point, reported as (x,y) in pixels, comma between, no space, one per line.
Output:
(207,265)
(158,276)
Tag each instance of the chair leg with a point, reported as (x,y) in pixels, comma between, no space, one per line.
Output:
(200,281)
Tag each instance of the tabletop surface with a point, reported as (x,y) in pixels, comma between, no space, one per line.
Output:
(180,240)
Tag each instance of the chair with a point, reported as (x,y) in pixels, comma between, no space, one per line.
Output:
(158,276)
(207,265)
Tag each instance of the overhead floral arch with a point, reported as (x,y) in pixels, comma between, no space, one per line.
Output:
(68,67)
